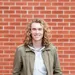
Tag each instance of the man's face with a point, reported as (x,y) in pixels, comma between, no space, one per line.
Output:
(36,31)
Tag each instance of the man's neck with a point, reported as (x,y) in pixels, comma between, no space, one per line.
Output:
(37,44)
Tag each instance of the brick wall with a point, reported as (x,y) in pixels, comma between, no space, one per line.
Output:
(59,14)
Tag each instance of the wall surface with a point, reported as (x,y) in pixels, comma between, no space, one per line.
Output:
(60,16)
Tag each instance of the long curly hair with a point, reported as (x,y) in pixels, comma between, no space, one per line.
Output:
(28,37)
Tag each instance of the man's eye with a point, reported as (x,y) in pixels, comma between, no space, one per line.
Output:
(40,29)
(33,28)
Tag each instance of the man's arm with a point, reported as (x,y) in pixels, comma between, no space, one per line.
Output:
(56,68)
(17,63)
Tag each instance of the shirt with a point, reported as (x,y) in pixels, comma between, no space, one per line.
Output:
(39,66)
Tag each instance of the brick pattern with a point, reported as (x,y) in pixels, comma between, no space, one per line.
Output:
(60,16)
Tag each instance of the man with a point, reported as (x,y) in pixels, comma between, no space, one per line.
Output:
(36,56)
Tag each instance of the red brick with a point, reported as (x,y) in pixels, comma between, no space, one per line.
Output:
(65,72)
(57,12)
(51,0)
(15,23)
(62,24)
(53,32)
(72,32)
(47,20)
(3,23)
(39,1)
(1,16)
(38,16)
(20,12)
(14,16)
(45,12)
(63,0)
(72,56)
(72,40)
(63,32)
(0,20)
(57,4)
(0,12)
(45,4)
(1,66)
(58,44)
(9,3)
(33,12)
(27,8)
(9,28)
(4,39)
(72,72)
(69,12)
(72,48)
(69,20)
(9,19)
(57,28)
(9,12)
(69,28)
(51,16)
(8,67)
(69,68)
(4,48)
(63,8)
(73,8)
(64,56)
(16,32)
(31,4)
(39,8)
(4,71)
(1,51)
(69,4)
(63,48)
(60,52)
(27,16)
(21,3)
(57,36)
(63,16)
(16,0)
(69,52)
(21,20)
(3,56)
(69,36)
(64,64)
(9,43)
(57,20)
(63,40)
(4,31)
(51,24)
(72,16)
(1,3)
(15,7)
(53,40)
(4,7)
(51,8)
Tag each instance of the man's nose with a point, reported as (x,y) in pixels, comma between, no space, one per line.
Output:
(37,31)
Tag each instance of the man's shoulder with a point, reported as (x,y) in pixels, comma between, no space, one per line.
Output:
(52,46)
(21,47)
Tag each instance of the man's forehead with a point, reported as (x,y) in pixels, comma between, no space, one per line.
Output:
(36,25)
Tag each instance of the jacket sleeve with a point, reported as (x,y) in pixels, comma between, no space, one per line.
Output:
(17,63)
(56,66)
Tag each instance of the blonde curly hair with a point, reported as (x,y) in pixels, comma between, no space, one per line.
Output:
(28,38)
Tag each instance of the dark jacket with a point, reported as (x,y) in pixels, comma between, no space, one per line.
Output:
(25,57)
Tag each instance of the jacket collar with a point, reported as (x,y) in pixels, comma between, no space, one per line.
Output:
(45,49)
